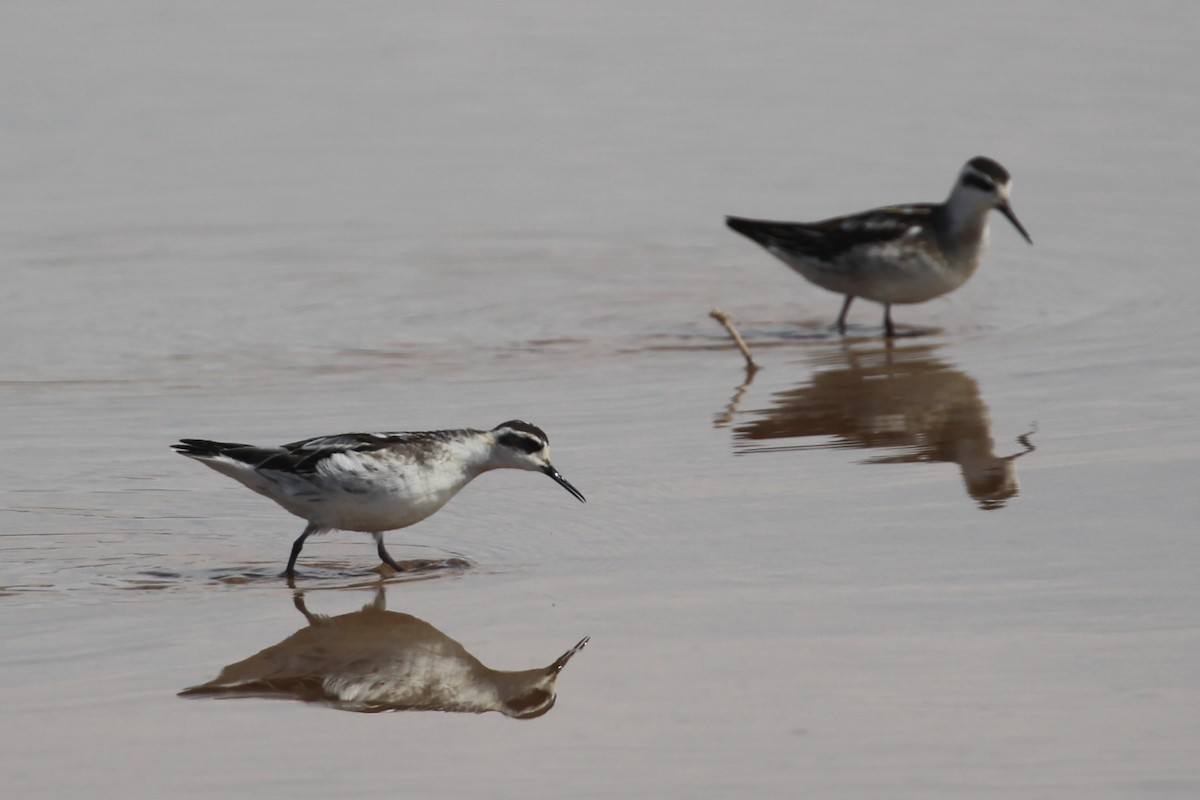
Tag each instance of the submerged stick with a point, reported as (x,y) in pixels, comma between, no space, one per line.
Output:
(725,418)
(723,318)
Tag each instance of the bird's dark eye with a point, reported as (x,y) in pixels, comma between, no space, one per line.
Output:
(522,442)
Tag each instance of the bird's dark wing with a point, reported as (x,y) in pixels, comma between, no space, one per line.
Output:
(827,239)
(305,455)
(342,442)
(302,456)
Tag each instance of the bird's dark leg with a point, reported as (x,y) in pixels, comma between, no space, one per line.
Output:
(383,554)
(297,546)
(841,320)
(889,330)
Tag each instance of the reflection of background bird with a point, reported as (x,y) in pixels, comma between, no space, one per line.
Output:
(378,660)
(906,400)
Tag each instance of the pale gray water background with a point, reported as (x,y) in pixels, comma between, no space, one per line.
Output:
(261,221)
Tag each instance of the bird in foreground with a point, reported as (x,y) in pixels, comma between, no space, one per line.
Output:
(896,254)
(375,482)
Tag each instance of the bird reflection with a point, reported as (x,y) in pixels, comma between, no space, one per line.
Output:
(906,400)
(378,660)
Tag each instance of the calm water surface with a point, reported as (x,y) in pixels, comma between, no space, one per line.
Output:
(963,565)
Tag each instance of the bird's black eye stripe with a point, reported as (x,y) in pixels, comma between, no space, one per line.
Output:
(986,166)
(519,441)
(979,182)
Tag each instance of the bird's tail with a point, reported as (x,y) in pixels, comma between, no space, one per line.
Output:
(203,448)
(758,230)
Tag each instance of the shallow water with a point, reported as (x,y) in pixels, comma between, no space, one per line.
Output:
(960,565)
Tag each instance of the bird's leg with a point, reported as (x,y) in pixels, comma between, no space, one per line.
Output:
(889,330)
(383,554)
(841,320)
(302,607)
(297,546)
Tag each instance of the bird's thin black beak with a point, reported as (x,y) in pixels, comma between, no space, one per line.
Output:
(1007,211)
(565,657)
(561,481)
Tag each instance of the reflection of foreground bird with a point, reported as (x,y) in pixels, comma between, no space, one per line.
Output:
(378,660)
(897,254)
(375,482)
(902,399)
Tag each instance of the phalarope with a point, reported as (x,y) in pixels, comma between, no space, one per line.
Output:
(376,660)
(375,482)
(896,254)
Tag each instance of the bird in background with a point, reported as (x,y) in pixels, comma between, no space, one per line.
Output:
(895,254)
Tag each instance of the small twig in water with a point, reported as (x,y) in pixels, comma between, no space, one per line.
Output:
(726,417)
(723,318)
